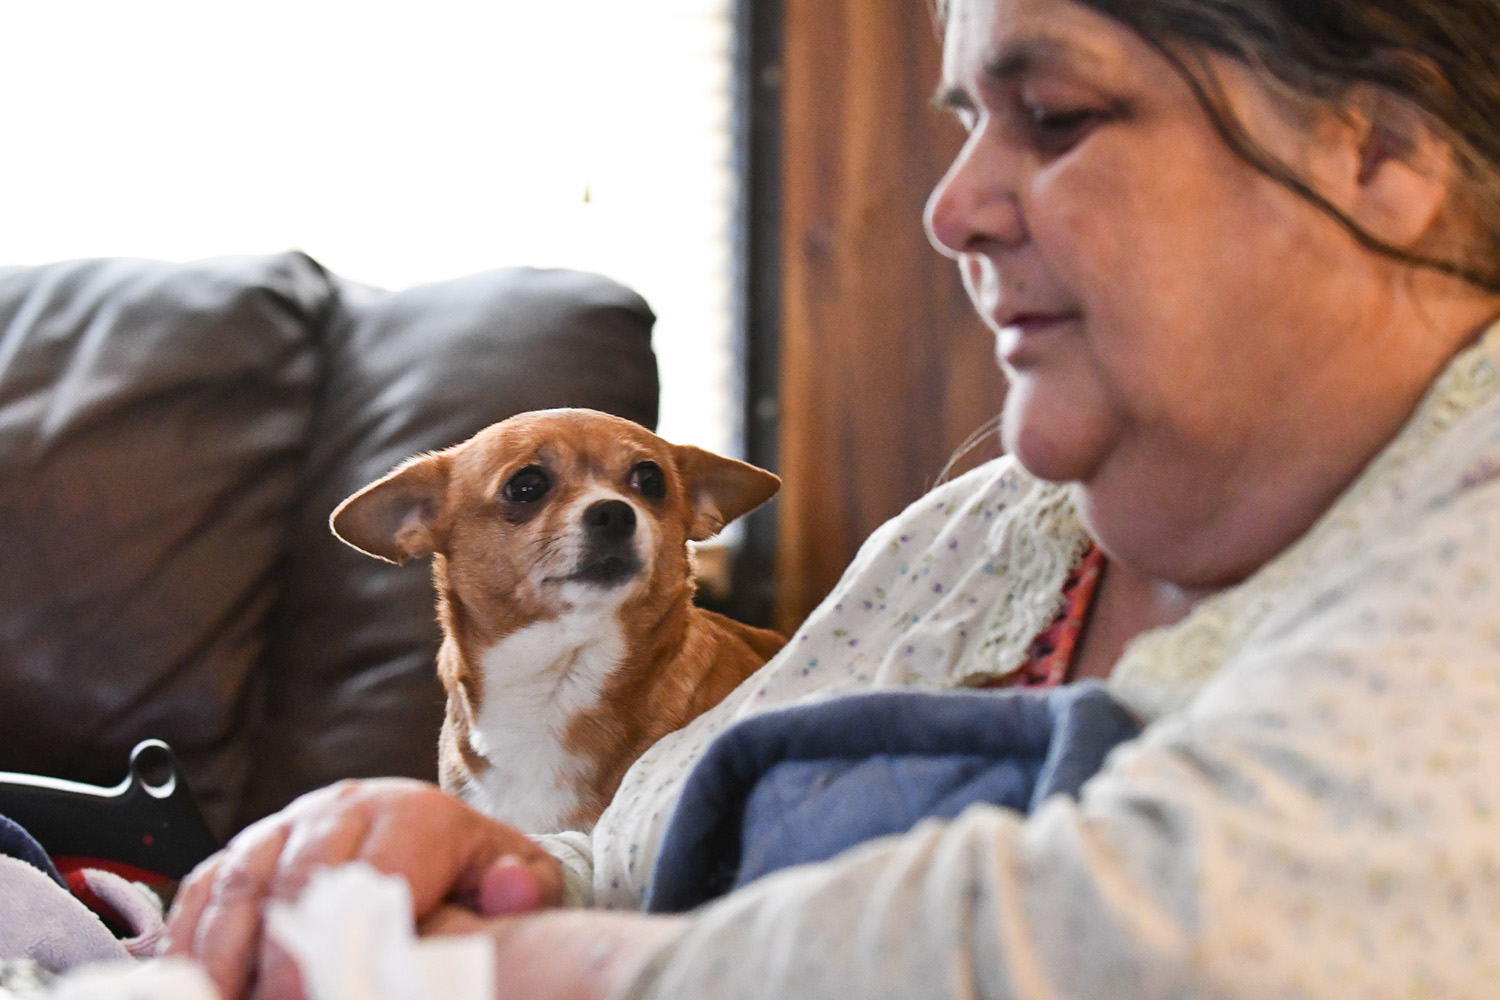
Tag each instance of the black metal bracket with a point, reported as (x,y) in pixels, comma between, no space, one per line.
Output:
(149,820)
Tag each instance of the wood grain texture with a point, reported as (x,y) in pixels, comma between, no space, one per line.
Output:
(885,368)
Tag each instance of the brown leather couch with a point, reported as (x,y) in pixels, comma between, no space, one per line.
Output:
(172,440)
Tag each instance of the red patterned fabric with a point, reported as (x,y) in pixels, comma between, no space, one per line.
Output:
(1052,651)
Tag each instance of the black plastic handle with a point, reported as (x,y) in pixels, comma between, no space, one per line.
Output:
(149,820)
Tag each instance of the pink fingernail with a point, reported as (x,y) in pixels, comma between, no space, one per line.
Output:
(508,886)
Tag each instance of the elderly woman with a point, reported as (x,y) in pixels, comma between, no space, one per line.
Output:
(1239,259)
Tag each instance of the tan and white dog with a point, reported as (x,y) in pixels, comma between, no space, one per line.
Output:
(564,588)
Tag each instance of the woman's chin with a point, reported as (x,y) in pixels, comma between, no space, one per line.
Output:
(1058,447)
(1050,460)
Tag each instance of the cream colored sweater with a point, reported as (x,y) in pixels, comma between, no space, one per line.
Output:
(1314,810)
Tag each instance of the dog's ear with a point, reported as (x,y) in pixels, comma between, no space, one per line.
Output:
(399,517)
(720,489)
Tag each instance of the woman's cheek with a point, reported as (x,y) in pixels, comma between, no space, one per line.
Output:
(1093,227)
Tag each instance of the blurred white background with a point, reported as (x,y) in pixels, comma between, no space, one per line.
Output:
(397,143)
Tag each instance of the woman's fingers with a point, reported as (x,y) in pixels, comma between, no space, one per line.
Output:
(452,920)
(442,848)
(325,828)
(217,917)
(511,885)
(277,976)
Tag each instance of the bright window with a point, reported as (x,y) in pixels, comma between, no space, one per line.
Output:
(396,143)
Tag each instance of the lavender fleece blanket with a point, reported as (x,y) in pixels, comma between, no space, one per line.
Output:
(42,921)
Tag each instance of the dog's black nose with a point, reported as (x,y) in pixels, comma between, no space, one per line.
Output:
(610,520)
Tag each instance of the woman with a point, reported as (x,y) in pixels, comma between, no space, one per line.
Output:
(1240,262)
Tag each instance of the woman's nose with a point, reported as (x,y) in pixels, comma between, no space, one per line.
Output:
(975,204)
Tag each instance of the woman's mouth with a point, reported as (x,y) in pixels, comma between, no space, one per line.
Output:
(1022,334)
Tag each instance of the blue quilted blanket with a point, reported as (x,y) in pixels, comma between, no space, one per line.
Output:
(803,783)
(15,842)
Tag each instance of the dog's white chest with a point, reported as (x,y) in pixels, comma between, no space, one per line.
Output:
(536,681)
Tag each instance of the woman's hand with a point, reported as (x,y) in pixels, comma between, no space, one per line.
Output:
(448,853)
(563,954)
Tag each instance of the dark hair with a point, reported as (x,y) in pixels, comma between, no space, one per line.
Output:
(1442,57)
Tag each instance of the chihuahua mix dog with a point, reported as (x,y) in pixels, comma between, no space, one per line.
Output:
(565,592)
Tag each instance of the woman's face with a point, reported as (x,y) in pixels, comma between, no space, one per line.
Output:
(1174,325)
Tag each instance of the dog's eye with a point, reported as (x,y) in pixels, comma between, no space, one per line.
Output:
(527,486)
(648,480)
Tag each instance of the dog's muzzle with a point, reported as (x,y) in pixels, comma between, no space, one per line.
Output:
(609,544)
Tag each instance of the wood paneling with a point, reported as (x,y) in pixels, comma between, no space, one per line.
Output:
(885,368)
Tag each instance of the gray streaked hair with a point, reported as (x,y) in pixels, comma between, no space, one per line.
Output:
(1441,57)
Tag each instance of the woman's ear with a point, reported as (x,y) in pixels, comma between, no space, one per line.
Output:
(1404,171)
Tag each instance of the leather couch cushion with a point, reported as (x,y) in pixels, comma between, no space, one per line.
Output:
(353,688)
(153,419)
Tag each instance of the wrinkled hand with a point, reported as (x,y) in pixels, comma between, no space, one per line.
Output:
(450,855)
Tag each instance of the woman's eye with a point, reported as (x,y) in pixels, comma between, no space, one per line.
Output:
(527,486)
(1053,133)
(648,480)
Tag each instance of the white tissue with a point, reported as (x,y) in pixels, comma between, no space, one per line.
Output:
(159,979)
(351,935)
